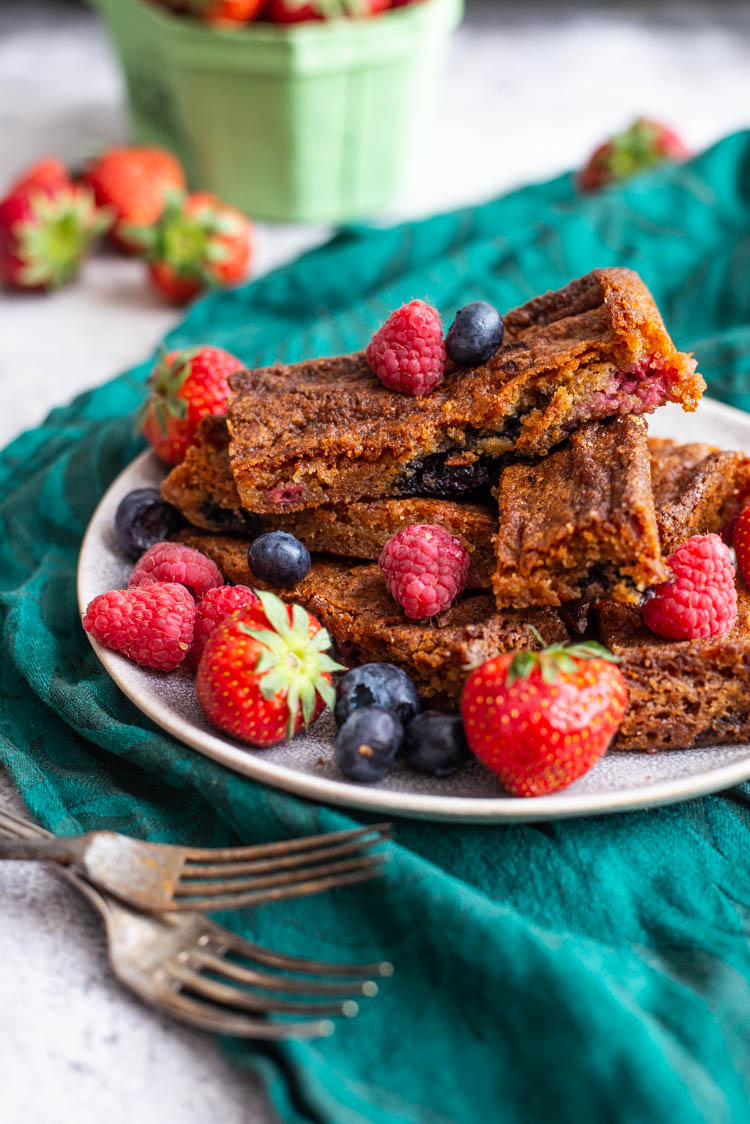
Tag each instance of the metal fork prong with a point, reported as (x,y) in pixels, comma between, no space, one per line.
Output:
(235,996)
(282,877)
(278,894)
(221,942)
(284,862)
(16,824)
(287,846)
(208,1016)
(222,966)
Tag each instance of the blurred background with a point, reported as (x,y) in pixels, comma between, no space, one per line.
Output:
(518,92)
(525,91)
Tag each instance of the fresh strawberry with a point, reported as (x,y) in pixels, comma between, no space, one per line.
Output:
(644,145)
(741,542)
(48,172)
(47,226)
(302,11)
(222,13)
(198,243)
(132,182)
(539,720)
(265,672)
(184,387)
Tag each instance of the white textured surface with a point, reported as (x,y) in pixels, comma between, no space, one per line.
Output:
(530,88)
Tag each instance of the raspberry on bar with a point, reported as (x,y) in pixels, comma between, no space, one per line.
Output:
(681,693)
(328,431)
(203,490)
(579,524)
(352,602)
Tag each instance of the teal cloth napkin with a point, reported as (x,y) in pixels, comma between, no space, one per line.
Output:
(589,970)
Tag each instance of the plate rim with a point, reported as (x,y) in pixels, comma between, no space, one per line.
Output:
(459,809)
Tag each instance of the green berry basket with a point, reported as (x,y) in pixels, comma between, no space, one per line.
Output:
(309,122)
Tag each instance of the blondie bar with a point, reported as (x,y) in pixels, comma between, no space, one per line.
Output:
(352,602)
(203,490)
(579,524)
(327,431)
(697,489)
(681,693)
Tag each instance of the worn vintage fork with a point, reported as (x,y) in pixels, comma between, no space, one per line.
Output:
(160,877)
(207,976)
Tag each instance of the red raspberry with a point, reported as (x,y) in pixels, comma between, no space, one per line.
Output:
(152,625)
(217,603)
(701,599)
(173,562)
(425,568)
(408,353)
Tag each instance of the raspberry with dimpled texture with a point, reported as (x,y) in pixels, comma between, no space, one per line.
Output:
(173,562)
(701,599)
(408,352)
(425,568)
(151,624)
(211,610)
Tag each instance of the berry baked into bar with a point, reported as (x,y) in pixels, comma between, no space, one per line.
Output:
(202,488)
(579,524)
(329,431)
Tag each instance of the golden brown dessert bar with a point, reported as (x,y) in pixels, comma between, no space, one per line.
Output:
(697,488)
(681,693)
(203,490)
(327,431)
(579,524)
(352,602)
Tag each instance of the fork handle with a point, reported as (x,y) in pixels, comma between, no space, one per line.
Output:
(50,850)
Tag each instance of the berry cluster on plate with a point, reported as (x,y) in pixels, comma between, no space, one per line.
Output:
(558,585)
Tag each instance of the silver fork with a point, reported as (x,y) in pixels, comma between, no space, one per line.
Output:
(205,975)
(161,877)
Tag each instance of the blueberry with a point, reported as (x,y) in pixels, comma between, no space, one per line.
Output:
(475,334)
(144,518)
(376,684)
(366,745)
(436,743)
(279,558)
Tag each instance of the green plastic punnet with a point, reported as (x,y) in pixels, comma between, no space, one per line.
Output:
(308,122)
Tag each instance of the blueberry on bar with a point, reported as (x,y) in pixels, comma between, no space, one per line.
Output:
(327,431)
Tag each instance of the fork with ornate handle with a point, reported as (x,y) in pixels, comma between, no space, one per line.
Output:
(161,877)
(203,974)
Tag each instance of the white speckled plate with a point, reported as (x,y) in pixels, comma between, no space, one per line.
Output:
(619,782)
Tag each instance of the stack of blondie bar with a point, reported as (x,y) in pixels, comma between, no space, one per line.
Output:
(539,460)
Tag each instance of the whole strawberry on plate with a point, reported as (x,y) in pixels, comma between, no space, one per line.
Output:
(540,720)
(47,226)
(265,673)
(302,11)
(198,243)
(644,145)
(132,183)
(184,387)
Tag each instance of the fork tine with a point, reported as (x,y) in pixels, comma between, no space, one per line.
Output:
(222,941)
(287,846)
(281,892)
(208,1016)
(224,967)
(15,824)
(282,878)
(283,862)
(234,996)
